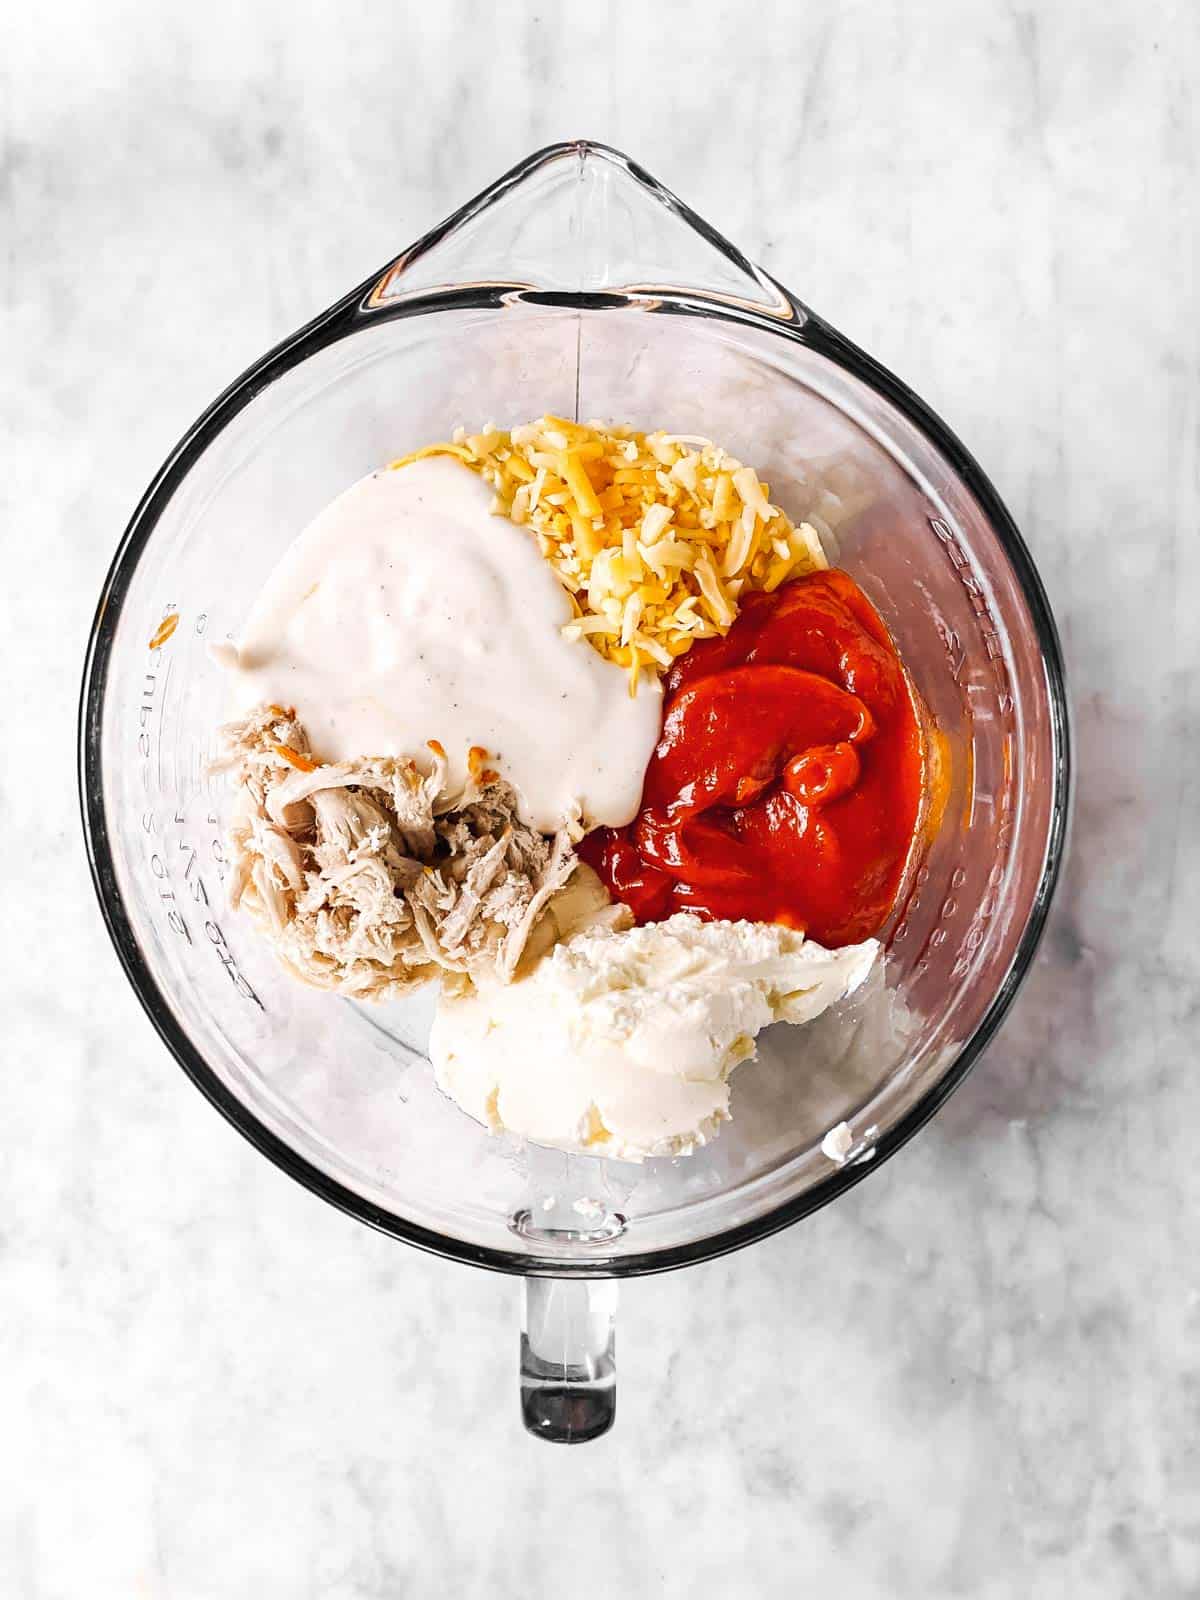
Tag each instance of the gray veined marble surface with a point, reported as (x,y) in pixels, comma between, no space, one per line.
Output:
(978,1374)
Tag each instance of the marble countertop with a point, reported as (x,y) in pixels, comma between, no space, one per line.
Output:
(977,1374)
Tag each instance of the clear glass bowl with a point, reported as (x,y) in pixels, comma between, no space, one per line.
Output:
(576,284)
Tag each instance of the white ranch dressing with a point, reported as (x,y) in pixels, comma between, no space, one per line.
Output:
(407,612)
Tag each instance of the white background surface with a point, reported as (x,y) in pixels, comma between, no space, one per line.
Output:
(978,1374)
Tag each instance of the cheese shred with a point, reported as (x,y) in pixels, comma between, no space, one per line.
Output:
(655,536)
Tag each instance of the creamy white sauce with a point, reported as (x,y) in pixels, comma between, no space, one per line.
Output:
(406,612)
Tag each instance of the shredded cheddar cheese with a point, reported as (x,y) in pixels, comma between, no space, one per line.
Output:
(654,535)
(295,758)
(164,631)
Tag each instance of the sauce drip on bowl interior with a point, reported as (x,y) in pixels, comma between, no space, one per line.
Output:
(787,782)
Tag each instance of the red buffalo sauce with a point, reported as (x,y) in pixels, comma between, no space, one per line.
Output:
(787,782)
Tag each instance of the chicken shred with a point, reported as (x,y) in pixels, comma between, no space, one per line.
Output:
(368,876)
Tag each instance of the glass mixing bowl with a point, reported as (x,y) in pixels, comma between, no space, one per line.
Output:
(577,285)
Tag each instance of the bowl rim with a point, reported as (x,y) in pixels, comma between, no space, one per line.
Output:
(354,312)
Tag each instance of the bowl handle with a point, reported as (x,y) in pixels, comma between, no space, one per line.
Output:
(568,1371)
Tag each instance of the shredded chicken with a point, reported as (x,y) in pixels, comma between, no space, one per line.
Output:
(368,876)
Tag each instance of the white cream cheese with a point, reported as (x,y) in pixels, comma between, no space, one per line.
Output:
(838,1143)
(406,612)
(620,1042)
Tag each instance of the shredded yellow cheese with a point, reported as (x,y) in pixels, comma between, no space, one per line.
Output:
(655,536)
(295,758)
(164,631)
